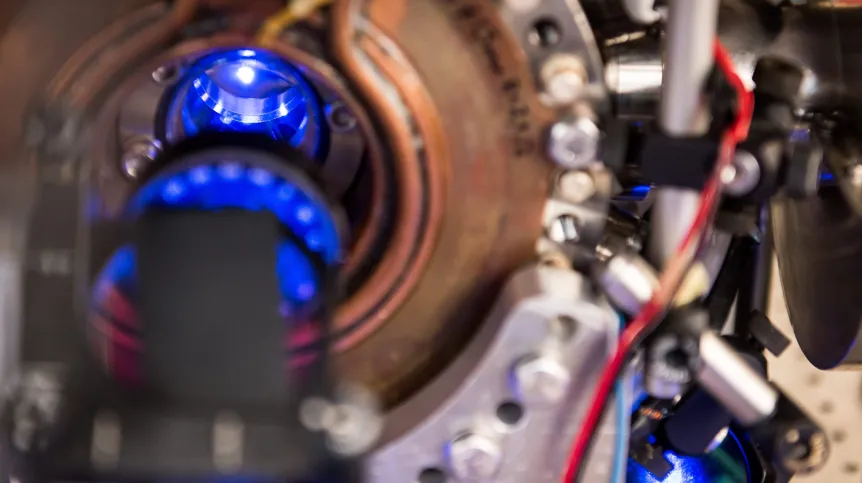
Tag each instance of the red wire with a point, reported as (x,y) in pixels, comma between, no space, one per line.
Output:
(676,267)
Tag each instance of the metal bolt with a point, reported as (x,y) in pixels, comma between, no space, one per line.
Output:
(855,173)
(628,280)
(138,155)
(541,380)
(742,176)
(522,5)
(565,229)
(564,77)
(576,186)
(474,457)
(352,425)
(574,144)
(340,118)
(166,74)
(36,408)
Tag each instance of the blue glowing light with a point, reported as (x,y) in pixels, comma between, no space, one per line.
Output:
(727,464)
(247,91)
(234,185)
(641,190)
(685,470)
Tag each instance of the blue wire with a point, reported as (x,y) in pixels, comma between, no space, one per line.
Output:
(620,452)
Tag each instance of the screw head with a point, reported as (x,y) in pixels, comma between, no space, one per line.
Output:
(742,176)
(352,424)
(564,77)
(542,380)
(855,173)
(522,5)
(138,155)
(166,74)
(574,144)
(340,118)
(474,457)
(576,186)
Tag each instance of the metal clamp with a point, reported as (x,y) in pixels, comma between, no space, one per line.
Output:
(501,410)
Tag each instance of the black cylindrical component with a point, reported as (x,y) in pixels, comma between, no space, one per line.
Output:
(696,425)
(755,284)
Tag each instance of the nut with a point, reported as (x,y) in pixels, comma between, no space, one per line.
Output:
(574,143)
(576,186)
(474,457)
(564,77)
(541,380)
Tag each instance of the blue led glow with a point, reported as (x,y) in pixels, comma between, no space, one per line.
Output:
(685,470)
(247,91)
(234,185)
(641,190)
(296,276)
(118,272)
(704,469)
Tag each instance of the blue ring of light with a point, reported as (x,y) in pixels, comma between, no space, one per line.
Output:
(246,90)
(234,185)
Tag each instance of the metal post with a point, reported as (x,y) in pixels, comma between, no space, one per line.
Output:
(757,276)
(745,393)
(683,111)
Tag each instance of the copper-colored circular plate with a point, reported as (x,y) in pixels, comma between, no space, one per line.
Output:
(465,80)
(466,200)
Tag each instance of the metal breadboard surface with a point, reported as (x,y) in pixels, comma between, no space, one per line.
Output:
(834,398)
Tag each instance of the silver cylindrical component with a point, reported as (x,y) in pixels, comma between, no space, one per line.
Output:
(565,229)
(684,111)
(691,32)
(641,11)
(672,214)
(742,176)
(733,382)
(633,75)
(628,280)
